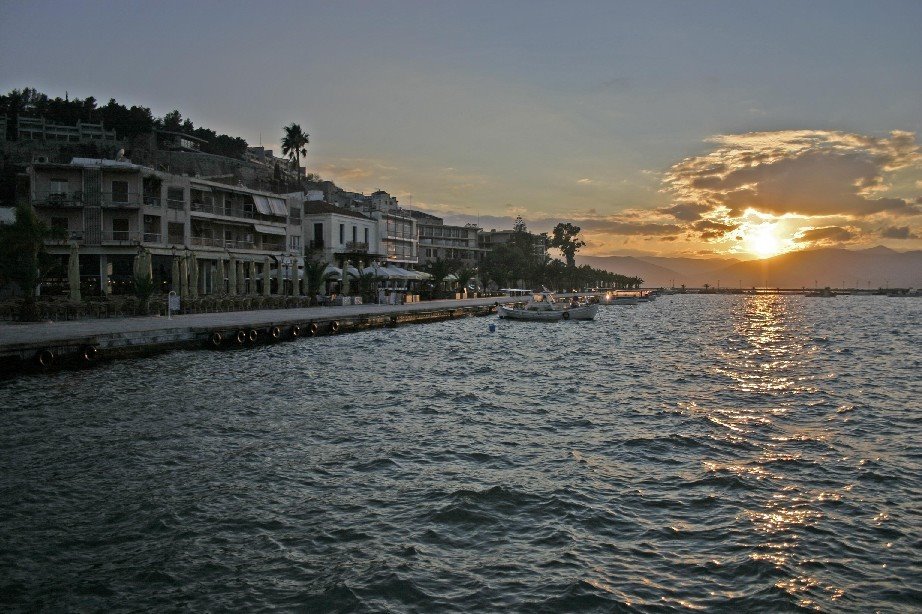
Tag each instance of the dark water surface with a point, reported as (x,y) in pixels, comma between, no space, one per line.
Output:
(733,453)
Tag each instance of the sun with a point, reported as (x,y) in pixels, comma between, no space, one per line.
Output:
(762,241)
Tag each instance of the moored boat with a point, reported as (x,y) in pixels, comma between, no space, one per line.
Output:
(544,307)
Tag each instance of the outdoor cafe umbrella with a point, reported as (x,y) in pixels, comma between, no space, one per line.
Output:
(175,275)
(73,273)
(232,276)
(295,278)
(252,277)
(267,276)
(184,277)
(193,276)
(219,287)
(241,277)
(344,289)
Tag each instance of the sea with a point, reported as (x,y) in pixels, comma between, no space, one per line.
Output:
(720,453)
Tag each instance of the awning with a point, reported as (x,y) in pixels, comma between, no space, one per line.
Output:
(269,230)
(262,204)
(200,188)
(278,206)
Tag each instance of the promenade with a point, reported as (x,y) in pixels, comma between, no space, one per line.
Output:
(22,340)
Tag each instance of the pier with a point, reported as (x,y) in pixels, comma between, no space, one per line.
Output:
(43,346)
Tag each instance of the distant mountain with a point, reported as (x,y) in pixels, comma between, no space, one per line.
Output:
(876,267)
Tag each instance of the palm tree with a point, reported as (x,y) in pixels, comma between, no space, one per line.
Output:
(464,275)
(23,255)
(315,275)
(294,143)
(439,269)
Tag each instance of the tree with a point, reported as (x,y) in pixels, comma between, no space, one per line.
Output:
(315,275)
(294,143)
(23,256)
(439,269)
(566,238)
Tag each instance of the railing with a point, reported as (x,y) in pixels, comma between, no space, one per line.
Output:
(222,243)
(70,235)
(120,236)
(108,199)
(271,246)
(152,201)
(357,246)
(221,210)
(172,203)
(59,199)
(295,220)
(152,237)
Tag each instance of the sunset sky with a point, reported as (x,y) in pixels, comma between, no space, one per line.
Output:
(685,128)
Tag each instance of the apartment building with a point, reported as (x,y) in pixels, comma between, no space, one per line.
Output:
(110,208)
(441,241)
(337,234)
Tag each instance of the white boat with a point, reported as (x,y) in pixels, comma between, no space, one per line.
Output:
(614,299)
(543,307)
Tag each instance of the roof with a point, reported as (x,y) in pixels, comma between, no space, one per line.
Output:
(319,206)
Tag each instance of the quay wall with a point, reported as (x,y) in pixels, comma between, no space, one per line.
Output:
(43,347)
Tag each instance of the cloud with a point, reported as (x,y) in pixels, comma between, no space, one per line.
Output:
(803,172)
(898,232)
(686,212)
(709,229)
(827,235)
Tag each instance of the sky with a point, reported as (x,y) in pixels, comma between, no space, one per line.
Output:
(659,127)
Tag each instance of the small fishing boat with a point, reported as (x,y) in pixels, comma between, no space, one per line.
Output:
(544,307)
(614,299)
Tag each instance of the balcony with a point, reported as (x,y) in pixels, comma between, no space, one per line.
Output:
(58,199)
(177,204)
(120,200)
(69,237)
(121,237)
(152,237)
(294,220)
(357,246)
(221,243)
(152,201)
(175,240)
(229,211)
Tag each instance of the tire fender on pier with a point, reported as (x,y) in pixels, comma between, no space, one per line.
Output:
(312,329)
(295,331)
(240,337)
(216,339)
(45,358)
(253,335)
(334,326)
(566,315)
(89,353)
(276,332)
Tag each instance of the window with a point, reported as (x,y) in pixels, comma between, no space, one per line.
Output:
(57,186)
(342,234)
(175,198)
(120,191)
(120,229)
(366,236)
(295,242)
(355,234)
(176,233)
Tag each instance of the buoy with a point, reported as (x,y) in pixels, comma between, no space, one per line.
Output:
(295,331)
(276,332)
(492,328)
(252,336)
(241,337)
(312,329)
(334,326)
(90,353)
(566,315)
(393,320)
(216,339)
(44,358)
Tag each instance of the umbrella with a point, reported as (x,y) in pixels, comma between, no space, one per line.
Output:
(377,271)
(351,270)
(232,276)
(295,278)
(184,278)
(220,287)
(252,277)
(193,276)
(345,278)
(73,273)
(451,277)
(175,275)
(332,271)
(267,276)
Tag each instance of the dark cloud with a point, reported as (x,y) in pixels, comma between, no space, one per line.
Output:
(898,232)
(826,235)
(686,212)
(814,173)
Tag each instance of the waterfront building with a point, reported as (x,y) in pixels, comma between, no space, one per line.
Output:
(487,241)
(39,129)
(441,241)
(336,234)
(111,208)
